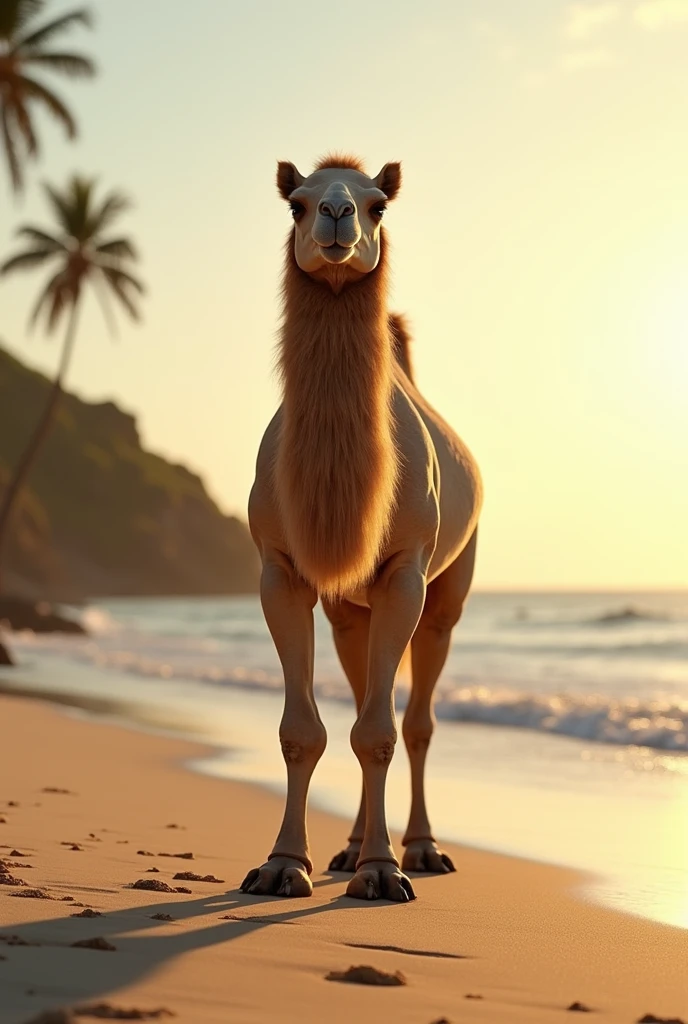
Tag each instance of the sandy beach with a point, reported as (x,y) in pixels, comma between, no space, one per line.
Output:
(500,940)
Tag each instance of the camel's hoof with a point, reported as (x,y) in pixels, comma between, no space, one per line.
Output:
(423,855)
(346,859)
(379,880)
(280,876)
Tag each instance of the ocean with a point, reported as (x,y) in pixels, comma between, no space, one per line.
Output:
(562,721)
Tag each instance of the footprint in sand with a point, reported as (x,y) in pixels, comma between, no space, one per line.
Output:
(40,894)
(366,975)
(7,879)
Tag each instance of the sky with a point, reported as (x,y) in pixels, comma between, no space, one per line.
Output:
(539,244)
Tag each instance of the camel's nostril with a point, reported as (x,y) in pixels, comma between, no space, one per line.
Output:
(335,210)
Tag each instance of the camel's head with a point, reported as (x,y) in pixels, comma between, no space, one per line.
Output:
(337,214)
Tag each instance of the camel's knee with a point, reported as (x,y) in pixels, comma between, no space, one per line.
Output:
(417,728)
(302,738)
(373,738)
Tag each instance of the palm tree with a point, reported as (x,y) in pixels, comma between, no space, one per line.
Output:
(22,53)
(77,253)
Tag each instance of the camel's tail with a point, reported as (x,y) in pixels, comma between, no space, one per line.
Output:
(401,339)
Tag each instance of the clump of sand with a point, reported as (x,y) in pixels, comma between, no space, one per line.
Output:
(366,975)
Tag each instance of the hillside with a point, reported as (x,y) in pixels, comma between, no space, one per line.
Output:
(102,516)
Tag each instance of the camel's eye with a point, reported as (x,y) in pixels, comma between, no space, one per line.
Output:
(296,209)
(378,211)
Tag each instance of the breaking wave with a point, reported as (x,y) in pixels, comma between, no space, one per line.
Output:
(660,724)
(615,676)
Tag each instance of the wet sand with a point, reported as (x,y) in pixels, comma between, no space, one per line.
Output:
(88,809)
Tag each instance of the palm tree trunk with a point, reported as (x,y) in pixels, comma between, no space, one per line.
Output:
(38,437)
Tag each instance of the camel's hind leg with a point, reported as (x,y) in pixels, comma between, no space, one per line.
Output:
(350,629)
(429,648)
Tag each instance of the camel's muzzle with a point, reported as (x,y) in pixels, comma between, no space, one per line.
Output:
(336,224)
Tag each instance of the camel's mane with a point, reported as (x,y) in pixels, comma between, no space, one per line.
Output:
(345,161)
(336,466)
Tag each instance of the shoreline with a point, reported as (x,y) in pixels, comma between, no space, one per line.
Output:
(618,863)
(508,930)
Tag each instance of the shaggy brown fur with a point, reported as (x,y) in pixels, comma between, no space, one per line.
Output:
(343,160)
(336,465)
(401,340)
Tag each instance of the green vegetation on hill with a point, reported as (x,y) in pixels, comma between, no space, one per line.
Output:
(101,516)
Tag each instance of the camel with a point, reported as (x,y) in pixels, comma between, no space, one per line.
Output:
(365,499)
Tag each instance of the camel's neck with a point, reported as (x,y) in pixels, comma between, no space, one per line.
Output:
(336,465)
(336,350)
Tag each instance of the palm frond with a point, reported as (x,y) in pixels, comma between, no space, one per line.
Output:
(14,15)
(60,207)
(127,278)
(71,64)
(10,147)
(118,281)
(80,197)
(71,206)
(55,284)
(59,293)
(100,288)
(26,260)
(60,299)
(113,205)
(34,90)
(120,248)
(24,124)
(53,28)
(42,237)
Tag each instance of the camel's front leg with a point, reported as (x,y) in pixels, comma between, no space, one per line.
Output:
(351,629)
(288,607)
(396,602)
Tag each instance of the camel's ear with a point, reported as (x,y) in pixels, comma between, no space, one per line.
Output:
(288,178)
(389,179)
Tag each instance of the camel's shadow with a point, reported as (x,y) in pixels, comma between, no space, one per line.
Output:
(140,949)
